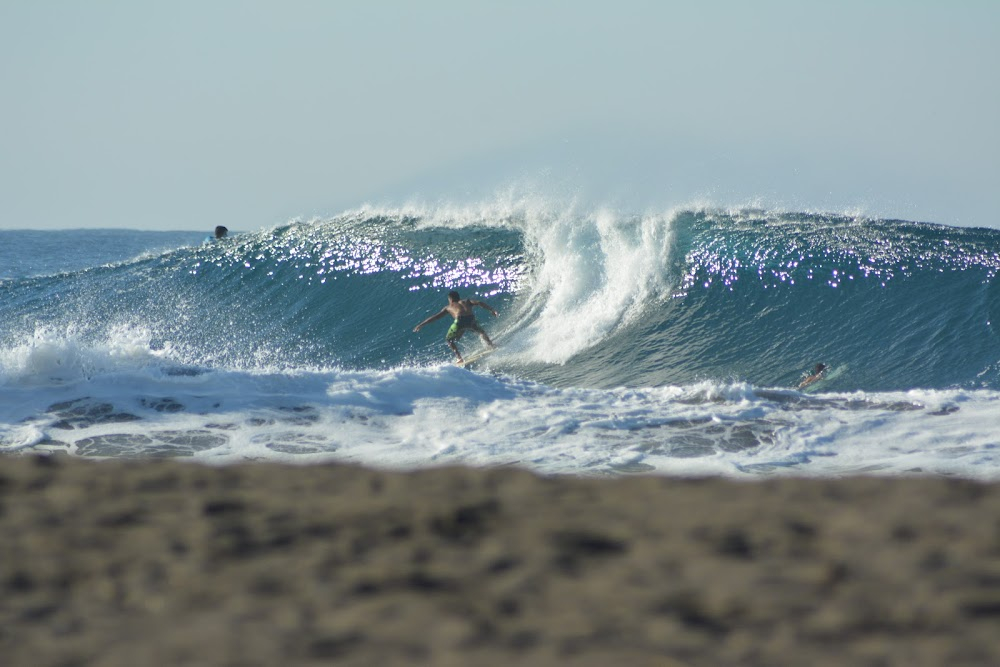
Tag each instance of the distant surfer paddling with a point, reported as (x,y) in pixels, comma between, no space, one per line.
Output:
(220,233)
(818,372)
(465,320)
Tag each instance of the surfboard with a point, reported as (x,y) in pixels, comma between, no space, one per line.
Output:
(473,358)
(811,380)
(810,383)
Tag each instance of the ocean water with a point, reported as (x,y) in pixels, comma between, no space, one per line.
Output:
(666,342)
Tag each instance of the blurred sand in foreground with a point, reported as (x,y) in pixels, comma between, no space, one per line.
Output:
(166,563)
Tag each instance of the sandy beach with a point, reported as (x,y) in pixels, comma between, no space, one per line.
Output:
(166,563)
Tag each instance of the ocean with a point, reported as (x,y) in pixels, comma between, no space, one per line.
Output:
(664,342)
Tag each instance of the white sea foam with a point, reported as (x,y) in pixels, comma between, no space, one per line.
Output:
(135,402)
(63,355)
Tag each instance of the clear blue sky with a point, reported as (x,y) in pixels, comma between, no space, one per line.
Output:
(187,114)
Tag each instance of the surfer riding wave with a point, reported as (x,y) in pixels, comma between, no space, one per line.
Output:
(465,320)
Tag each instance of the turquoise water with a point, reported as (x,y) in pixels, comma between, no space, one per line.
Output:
(620,331)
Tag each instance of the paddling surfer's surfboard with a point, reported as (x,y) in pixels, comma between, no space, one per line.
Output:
(817,378)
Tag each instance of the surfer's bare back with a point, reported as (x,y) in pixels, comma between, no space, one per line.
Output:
(465,320)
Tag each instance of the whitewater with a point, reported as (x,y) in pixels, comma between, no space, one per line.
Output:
(665,342)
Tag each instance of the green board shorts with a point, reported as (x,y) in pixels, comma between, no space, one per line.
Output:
(459,327)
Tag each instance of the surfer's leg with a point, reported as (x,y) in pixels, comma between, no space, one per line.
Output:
(454,333)
(479,330)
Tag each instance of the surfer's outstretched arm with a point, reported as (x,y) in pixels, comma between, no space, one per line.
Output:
(438,316)
(483,304)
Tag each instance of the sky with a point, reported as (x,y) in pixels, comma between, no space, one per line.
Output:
(186,114)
